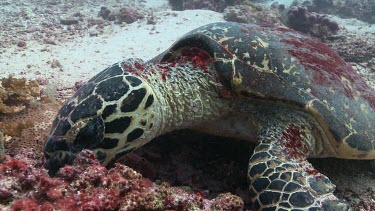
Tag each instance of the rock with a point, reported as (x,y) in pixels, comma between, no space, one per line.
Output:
(68,21)
(21,44)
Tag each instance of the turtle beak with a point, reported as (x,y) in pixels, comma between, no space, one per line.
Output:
(57,153)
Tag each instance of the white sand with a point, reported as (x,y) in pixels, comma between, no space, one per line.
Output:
(84,57)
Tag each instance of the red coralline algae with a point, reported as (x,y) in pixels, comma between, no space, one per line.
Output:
(86,185)
(312,171)
(197,57)
(293,142)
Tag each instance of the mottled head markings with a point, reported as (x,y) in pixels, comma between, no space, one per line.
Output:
(108,112)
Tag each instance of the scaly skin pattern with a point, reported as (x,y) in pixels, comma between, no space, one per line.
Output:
(297,96)
(281,177)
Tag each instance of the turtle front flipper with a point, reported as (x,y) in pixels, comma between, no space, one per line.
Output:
(282,178)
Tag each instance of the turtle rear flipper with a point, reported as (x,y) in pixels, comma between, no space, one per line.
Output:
(280,175)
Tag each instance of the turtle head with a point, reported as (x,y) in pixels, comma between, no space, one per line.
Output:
(109,115)
(68,139)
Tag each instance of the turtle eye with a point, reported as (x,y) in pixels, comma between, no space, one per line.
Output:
(89,136)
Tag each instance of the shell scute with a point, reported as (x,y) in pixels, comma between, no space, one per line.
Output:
(278,64)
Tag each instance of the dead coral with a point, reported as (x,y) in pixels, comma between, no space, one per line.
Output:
(354,48)
(128,14)
(214,5)
(251,13)
(86,185)
(16,94)
(363,10)
(2,148)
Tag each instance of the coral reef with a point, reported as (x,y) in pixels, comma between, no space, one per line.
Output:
(16,94)
(251,13)
(86,185)
(363,10)
(317,25)
(128,14)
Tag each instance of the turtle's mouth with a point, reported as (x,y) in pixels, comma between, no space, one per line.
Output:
(58,154)
(58,160)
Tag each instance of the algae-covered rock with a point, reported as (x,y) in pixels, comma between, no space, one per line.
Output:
(16,94)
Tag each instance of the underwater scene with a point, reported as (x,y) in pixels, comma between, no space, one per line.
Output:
(187,105)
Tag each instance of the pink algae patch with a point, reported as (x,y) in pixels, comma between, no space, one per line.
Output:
(328,69)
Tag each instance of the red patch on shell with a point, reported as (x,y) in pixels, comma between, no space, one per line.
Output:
(328,69)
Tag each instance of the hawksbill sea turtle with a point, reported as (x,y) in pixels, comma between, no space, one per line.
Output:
(288,92)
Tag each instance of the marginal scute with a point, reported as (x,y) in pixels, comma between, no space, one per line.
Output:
(356,141)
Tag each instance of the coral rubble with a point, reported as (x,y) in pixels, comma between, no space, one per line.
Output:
(16,94)
(317,25)
(363,10)
(128,14)
(86,185)
(214,5)
(354,48)
(251,13)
